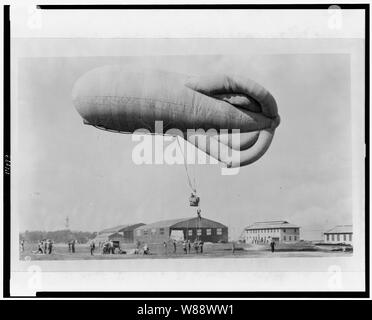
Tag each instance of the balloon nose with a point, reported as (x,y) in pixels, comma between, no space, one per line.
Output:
(275,123)
(82,101)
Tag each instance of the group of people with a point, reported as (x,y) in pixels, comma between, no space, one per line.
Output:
(44,246)
(187,245)
(107,247)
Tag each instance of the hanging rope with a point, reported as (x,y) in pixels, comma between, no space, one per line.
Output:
(193,189)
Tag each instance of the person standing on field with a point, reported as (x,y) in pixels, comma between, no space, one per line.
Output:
(201,243)
(45,242)
(174,246)
(272,245)
(92,247)
(165,247)
(50,246)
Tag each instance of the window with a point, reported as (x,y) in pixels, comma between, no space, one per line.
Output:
(153,231)
(295,238)
(350,237)
(290,238)
(199,232)
(145,232)
(190,232)
(284,238)
(344,237)
(333,237)
(161,230)
(219,231)
(209,232)
(338,237)
(327,237)
(138,232)
(284,230)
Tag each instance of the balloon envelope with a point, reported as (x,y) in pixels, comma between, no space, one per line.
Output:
(118,99)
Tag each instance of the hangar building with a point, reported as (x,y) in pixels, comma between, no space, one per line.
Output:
(182,229)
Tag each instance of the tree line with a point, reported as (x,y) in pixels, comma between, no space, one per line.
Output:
(58,236)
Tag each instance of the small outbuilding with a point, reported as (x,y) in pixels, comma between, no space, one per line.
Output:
(121,234)
(182,229)
(339,234)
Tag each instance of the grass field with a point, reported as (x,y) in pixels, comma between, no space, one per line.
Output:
(157,251)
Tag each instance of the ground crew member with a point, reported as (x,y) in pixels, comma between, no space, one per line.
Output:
(196,246)
(184,244)
(45,246)
(201,243)
(40,247)
(165,247)
(174,246)
(112,248)
(50,246)
(146,249)
(92,247)
(272,245)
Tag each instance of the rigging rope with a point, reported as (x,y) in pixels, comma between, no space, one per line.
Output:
(193,189)
(185,164)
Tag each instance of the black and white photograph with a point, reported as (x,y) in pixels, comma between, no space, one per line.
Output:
(201,150)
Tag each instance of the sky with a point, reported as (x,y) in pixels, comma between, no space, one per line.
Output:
(67,169)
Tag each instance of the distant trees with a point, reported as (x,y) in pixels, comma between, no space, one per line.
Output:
(58,236)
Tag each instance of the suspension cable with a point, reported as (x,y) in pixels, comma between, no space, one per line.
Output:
(193,189)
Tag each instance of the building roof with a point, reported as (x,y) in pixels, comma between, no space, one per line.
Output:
(121,228)
(198,223)
(341,229)
(102,237)
(161,224)
(271,225)
(194,222)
